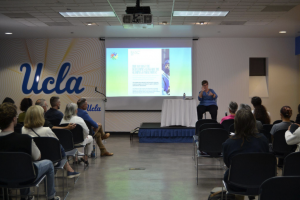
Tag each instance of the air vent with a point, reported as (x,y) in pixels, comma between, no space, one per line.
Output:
(127,19)
(18,15)
(232,23)
(277,8)
(58,23)
(147,19)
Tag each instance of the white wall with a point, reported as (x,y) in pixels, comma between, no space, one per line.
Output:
(224,62)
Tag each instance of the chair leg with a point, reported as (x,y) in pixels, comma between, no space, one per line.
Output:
(38,192)
(63,182)
(46,188)
(197,170)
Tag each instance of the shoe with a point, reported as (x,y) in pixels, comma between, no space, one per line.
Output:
(105,136)
(28,198)
(72,174)
(107,154)
(85,162)
(56,198)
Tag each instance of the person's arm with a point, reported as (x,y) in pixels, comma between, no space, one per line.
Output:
(35,152)
(201,94)
(292,139)
(214,96)
(69,127)
(86,117)
(85,129)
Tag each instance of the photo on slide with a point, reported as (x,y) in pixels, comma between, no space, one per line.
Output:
(165,56)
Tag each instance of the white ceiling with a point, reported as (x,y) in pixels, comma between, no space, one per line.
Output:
(45,13)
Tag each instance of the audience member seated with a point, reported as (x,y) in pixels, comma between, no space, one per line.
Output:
(25,104)
(71,117)
(53,113)
(285,114)
(43,104)
(97,127)
(246,140)
(14,142)
(260,112)
(33,126)
(208,101)
(8,100)
(259,125)
(232,108)
(298,116)
(293,138)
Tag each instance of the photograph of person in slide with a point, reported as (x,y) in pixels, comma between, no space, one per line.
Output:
(165,72)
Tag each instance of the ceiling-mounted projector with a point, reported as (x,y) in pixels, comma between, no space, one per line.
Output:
(138,17)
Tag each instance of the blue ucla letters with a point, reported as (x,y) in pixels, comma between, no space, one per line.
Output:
(91,108)
(63,72)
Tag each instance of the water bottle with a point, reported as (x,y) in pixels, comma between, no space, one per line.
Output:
(93,152)
(183,96)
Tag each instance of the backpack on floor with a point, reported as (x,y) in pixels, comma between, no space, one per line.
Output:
(216,194)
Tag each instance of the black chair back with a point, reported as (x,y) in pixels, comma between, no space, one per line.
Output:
(210,125)
(279,121)
(90,127)
(55,122)
(77,132)
(250,170)
(49,148)
(65,138)
(231,128)
(266,134)
(227,123)
(16,169)
(291,165)
(211,140)
(18,128)
(280,145)
(203,121)
(279,188)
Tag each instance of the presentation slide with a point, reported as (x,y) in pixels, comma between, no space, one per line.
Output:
(148,72)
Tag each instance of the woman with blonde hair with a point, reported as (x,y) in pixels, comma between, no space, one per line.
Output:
(70,116)
(33,126)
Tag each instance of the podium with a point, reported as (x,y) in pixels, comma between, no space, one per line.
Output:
(96,109)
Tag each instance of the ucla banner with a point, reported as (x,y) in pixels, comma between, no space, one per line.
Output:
(41,68)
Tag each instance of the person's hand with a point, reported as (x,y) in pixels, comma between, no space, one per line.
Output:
(289,127)
(297,124)
(99,124)
(202,89)
(71,126)
(210,94)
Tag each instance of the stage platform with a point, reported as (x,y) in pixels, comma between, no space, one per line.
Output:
(153,133)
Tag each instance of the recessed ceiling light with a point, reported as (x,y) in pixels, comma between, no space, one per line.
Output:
(164,23)
(87,14)
(282,31)
(89,24)
(8,33)
(200,13)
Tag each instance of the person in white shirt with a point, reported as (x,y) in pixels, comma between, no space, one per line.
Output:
(293,138)
(70,116)
(33,126)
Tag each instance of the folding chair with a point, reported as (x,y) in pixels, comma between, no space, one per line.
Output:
(248,171)
(279,188)
(50,150)
(210,141)
(17,171)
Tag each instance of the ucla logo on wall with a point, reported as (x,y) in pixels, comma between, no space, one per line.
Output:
(57,85)
(91,108)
